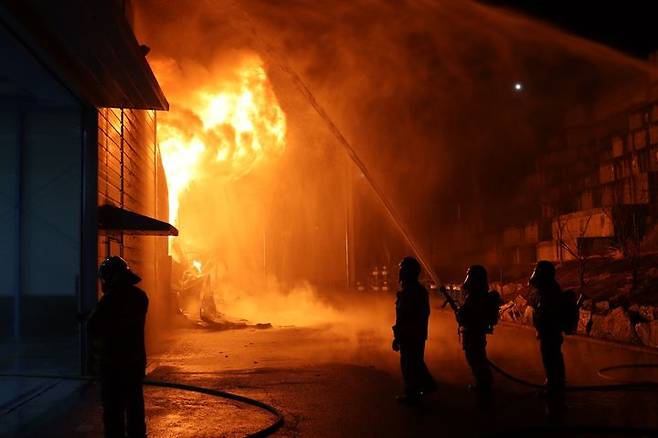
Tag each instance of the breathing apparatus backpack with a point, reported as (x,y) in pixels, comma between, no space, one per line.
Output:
(493,309)
(570,311)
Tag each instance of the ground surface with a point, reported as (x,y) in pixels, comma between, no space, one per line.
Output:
(340,380)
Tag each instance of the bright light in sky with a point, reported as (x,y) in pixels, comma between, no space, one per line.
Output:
(518,86)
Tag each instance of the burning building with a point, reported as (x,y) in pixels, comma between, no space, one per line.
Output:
(81,173)
(441,123)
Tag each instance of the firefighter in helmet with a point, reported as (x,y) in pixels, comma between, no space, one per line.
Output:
(547,319)
(412,311)
(549,316)
(117,324)
(476,318)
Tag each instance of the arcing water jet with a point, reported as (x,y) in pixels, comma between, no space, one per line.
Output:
(351,152)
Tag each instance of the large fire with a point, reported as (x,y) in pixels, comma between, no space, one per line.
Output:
(227,195)
(225,126)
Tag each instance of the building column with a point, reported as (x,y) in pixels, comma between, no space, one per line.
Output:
(18,288)
(87,284)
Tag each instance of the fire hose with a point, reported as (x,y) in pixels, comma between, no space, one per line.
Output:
(270,429)
(587,428)
(579,429)
(601,372)
(599,430)
(279,420)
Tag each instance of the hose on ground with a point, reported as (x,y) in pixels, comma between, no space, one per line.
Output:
(273,427)
(625,386)
(602,372)
(560,429)
(647,385)
(584,429)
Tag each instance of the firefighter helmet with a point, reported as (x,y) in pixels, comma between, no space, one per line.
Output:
(544,273)
(409,269)
(115,270)
(476,279)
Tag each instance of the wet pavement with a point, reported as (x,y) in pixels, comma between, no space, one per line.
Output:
(341,379)
(329,383)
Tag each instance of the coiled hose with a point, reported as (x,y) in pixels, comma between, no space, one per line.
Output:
(273,427)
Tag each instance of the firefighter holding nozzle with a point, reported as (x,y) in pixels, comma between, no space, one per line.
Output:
(412,311)
(117,324)
(476,318)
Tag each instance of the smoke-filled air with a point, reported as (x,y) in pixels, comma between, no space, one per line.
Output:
(287,123)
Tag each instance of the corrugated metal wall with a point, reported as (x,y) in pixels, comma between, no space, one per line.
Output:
(131,176)
(128,160)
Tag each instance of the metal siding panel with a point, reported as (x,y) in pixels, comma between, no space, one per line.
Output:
(127,154)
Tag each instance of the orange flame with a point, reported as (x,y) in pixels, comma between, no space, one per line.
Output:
(225,127)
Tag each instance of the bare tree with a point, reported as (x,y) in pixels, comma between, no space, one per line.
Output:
(560,234)
(574,245)
(629,226)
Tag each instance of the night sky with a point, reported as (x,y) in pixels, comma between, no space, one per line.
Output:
(629,26)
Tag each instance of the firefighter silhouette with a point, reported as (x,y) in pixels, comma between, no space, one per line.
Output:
(476,318)
(412,311)
(117,323)
(554,312)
